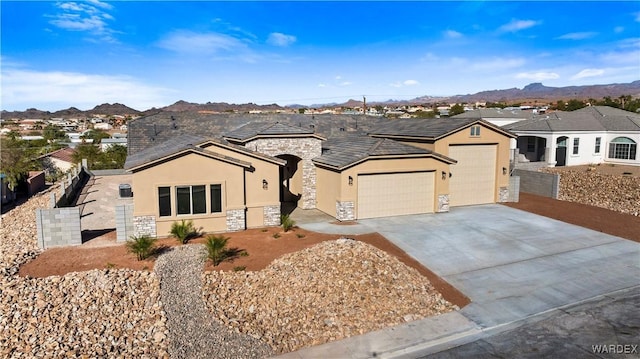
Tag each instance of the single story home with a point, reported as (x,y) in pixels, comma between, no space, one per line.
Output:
(591,135)
(61,160)
(229,172)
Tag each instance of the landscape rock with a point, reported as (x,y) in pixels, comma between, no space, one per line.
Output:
(333,290)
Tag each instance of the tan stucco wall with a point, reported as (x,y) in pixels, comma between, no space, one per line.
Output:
(334,186)
(196,169)
(328,188)
(487,136)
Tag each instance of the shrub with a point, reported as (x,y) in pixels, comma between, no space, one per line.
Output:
(239,268)
(287,222)
(276,235)
(141,246)
(183,230)
(216,248)
(300,235)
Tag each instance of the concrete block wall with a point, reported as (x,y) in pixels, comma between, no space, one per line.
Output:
(58,227)
(539,183)
(124,222)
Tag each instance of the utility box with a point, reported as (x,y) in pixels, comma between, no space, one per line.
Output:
(125,191)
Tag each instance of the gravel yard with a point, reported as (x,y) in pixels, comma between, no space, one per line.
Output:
(614,187)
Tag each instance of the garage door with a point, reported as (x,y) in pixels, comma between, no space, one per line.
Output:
(473,178)
(395,194)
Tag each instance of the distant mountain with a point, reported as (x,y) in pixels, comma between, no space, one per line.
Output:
(532,92)
(537,91)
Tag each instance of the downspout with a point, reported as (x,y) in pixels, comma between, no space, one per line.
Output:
(244,196)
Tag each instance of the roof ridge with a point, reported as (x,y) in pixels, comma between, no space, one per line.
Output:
(375,146)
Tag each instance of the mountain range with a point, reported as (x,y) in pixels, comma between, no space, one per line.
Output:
(532,93)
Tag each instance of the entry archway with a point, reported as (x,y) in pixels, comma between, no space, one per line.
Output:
(290,183)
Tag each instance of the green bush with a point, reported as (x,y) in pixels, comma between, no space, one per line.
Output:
(287,222)
(141,246)
(183,230)
(276,235)
(239,268)
(216,248)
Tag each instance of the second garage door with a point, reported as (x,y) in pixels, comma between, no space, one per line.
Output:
(473,178)
(394,194)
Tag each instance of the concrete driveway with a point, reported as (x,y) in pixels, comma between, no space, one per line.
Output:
(513,264)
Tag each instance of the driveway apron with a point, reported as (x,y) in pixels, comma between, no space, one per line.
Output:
(513,264)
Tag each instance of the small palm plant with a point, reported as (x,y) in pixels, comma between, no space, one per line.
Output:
(183,230)
(287,222)
(141,246)
(216,248)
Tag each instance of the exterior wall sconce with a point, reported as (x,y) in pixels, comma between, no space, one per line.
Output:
(265,184)
(444,175)
(504,170)
(350,181)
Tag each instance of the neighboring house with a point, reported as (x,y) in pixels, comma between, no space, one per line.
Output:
(106,143)
(62,160)
(496,116)
(103,126)
(589,135)
(229,172)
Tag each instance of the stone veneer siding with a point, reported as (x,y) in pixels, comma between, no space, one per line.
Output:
(144,225)
(304,148)
(443,203)
(503,195)
(235,219)
(345,211)
(271,215)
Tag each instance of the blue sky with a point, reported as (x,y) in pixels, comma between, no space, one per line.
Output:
(152,53)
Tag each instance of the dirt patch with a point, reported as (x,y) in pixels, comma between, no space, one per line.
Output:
(260,244)
(596,218)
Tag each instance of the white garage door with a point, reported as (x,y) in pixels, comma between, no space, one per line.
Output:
(473,178)
(395,194)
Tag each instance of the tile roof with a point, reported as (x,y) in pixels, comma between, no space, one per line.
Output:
(162,149)
(593,118)
(254,129)
(484,113)
(342,151)
(426,128)
(63,154)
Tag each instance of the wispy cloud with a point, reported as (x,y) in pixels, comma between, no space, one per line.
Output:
(280,39)
(517,25)
(577,36)
(86,16)
(538,76)
(452,34)
(21,88)
(637,16)
(207,43)
(404,83)
(588,73)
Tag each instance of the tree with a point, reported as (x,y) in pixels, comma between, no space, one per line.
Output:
(87,151)
(52,133)
(456,110)
(575,104)
(96,135)
(15,160)
(115,156)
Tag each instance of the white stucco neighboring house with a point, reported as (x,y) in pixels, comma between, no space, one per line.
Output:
(106,143)
(591,135)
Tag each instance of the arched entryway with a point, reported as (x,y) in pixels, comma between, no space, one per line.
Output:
(290,183)
(561,151)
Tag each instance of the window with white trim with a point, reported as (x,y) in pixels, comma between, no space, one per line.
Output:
(191,199)
(475,131)
(623,148)
(576,145)
(598,142)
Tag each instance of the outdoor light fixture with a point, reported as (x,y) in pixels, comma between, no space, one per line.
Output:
(265,184)
(444,175)
(504,170)
(350,181)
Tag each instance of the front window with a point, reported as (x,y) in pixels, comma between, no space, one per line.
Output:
(191,199)
(622,148)
(475,131)
(164,201)
(576,145)
(598,141)
(216,198)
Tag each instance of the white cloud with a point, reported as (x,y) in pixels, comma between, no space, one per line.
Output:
(618,29)
(322,85)
(280,39)
(588,73)
(495,64)
(346,83)
(86,16)
(517,25)
(399,84)
(184,41)
(452,34)
(637,16)
(577,36)
(54,90)
(538,76)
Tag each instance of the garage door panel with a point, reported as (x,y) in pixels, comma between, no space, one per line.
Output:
(473,178)
(394,194)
